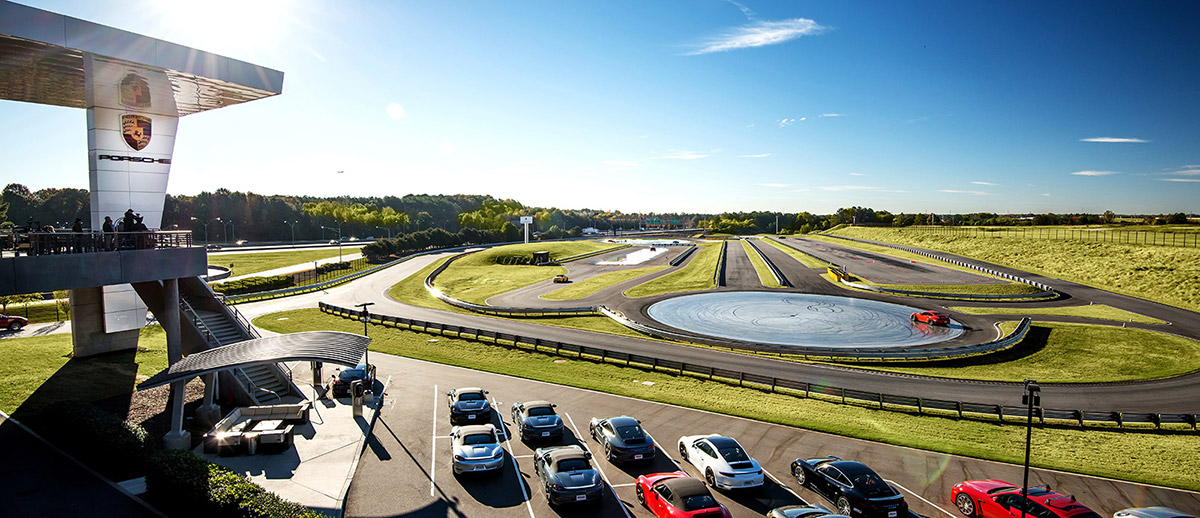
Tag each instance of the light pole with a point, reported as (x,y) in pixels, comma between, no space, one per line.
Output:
(389,229)
(293,225)
(366,317)
(339,231)
(205,223)
(229,227)
(1033,398)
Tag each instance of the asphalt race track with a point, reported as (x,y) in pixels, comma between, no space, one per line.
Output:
(799,319)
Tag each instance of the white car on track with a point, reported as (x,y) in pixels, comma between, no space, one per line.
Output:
(722,461)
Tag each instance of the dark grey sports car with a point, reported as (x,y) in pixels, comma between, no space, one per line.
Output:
(566,475)
(537,420)
(622,438)
(468,405)
(852,486)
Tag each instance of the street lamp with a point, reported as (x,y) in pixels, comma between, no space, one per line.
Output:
(389,229)
(339,231)
(229,227)
(205,223)
(1032,398)
(366,317)
(293,225)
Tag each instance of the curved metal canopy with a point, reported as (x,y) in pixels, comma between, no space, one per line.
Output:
(318,346)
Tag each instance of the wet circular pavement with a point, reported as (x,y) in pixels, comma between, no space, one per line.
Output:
(800,319)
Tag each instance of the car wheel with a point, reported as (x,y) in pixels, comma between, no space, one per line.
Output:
(801,478)
(843,506)
(965,504)
(708,477)
(682,451)
(608,453)
(15,326)
(641,495)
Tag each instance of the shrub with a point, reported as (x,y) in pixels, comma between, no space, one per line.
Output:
(178,482)
(255,284)
(112,446)
(332,267)
(184,484)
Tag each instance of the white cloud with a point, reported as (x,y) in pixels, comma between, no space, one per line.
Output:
(1094,173)
(1046,194)
(395,111)
(1121,140)
(773,185)
(956,191)
(785,122)
(620,164)
(848,188)
(759,34)
(986,183)
(1181,179)
(856,174)
(682,155)
(760,155)
(749,14)
(833,115)
(1187,172)
(923,118)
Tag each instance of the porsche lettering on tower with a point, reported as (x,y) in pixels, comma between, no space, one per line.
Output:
(135,91)
(136,129)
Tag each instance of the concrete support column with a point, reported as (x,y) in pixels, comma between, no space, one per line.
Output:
(177,438)
(209,412)
(87,326)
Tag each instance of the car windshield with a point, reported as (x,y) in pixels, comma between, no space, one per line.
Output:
(871,484)
(470,396)
(540,410)
(479,438)
(692,503)
(734,454)
(572,465)
(351,374)
(630,432)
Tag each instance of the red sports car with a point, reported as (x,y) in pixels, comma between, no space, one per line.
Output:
(931,317)
(676,495)
(12,323)
(999,499)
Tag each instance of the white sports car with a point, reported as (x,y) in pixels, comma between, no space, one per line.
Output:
(722,460)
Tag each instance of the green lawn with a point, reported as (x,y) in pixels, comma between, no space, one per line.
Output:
(38,370)
(899,254)
(760,266)
(1097,311)
(39,312)
(805,259)
(1008,288)
(1162,274)
(1080,451)
(481,275)
(586,287)
(696,275)
(1056,352)
(245,264)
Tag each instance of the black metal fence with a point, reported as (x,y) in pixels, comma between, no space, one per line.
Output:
(795,387)
(1092,235)
(52,243)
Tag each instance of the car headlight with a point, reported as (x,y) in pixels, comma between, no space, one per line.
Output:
(499,454)
(459,458)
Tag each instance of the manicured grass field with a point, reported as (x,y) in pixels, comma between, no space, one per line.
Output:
(760,267)
(805,259)
(1097,311)
(591,285)
(38,370)
(1057,352)
(1080,451)
(1162,274)
(481,275)
(697,274)
(39,312)
(245,264)
(1008,288)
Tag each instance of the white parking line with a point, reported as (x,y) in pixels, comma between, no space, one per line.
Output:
(909,491)
(666,453)
(508,446)
(583,442)
(627,484)
(433,448)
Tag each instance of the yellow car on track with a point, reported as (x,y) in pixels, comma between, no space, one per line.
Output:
(561,278)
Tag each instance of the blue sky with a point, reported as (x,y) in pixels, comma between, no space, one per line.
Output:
(698,106)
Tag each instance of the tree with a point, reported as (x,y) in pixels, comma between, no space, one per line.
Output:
(1108,217)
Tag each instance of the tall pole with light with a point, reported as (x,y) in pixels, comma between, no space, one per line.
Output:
(293,225)
(339,232)
(205,223)
(1032,398)
(366,317)
(389,230)
(229,227)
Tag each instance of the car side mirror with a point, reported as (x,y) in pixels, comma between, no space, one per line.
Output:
(486,392)
(587,454)
(552,405)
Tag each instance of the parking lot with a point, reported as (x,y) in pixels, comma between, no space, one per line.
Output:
(407,470)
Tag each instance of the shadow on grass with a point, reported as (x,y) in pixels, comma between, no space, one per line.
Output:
(110,377)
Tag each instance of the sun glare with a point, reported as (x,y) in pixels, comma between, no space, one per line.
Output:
(236,28)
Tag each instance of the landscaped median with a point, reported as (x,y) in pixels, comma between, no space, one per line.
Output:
(481,275)
(591,285)
(696,275)
(1088,451)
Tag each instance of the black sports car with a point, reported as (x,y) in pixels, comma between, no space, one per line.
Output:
(537,420)
(851,486)
(566,475)
(469,405)
(622,438)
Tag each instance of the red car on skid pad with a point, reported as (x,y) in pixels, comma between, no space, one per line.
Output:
(676,495)
(998,499)
(931,318)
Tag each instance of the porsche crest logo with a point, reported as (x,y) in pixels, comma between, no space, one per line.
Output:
(134,91)
(136,129)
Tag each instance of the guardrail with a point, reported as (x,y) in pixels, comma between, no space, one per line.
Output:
(785,385)
(719,275)
(683,255)
(585,256)
(495,310)
(779,278)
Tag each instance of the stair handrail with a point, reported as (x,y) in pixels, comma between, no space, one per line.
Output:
(209,337)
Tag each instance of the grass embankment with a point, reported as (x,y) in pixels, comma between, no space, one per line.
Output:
(1008,288)
(805,259)
(1161,274)
(1096,311)
(245,264)
(764,273)
(481,275)
(697,274)
(1058,352)
(591,285)
(1080,451)
(42,365)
